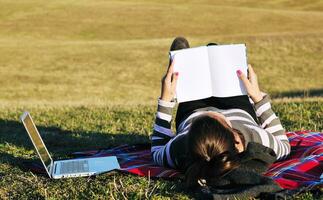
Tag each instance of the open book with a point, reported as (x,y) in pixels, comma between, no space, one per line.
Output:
(209,71)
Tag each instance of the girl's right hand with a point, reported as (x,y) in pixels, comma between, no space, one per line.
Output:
(251,84)
(169,84)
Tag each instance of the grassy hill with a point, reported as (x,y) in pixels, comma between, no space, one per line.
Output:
(89,71)
(114,52)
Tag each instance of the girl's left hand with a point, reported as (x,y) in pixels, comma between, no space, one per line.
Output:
(251,84)
(169,82)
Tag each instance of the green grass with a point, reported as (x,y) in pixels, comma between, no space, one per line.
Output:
(69,129)
(89,71)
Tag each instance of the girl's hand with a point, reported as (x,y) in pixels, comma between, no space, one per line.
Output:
(251,84)
(169,84)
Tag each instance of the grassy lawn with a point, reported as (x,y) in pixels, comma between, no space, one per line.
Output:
(69,129)
(89,72)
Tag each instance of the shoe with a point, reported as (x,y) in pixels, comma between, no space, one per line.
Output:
(179,43)
(212,44)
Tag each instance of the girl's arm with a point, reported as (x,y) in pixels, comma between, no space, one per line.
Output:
(277,139)
(162,133)
(274,135)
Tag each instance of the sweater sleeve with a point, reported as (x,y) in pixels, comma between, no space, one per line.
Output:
(272,125)
(162,134)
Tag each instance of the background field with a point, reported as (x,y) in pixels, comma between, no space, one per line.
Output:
(89,71)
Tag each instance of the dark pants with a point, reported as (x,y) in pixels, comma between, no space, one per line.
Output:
(187,108)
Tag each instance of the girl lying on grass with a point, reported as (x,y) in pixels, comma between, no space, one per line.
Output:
(211,132)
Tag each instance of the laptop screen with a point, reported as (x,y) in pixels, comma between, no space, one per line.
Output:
(36,139)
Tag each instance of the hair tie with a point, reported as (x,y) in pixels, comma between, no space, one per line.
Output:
(201,182)
(208,159)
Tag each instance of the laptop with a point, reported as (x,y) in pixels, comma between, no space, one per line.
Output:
(66,168)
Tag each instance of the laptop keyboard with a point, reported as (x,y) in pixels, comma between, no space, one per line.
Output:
(74,167)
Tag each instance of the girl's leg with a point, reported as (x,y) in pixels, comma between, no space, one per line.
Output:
(241,102)
(185,109)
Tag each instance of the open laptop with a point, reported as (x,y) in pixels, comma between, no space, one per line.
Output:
(66,168)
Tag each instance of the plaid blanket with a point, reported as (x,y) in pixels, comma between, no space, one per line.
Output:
(302,168)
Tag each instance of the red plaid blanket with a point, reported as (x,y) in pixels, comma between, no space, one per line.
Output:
(302,168)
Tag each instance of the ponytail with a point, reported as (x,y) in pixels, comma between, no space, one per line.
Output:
(211,144)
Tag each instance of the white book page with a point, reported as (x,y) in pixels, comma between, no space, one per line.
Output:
(194,81)
(225,60)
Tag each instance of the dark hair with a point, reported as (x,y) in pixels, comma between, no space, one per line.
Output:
(211,145)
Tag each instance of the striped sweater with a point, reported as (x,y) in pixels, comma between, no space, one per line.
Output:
(171,150)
